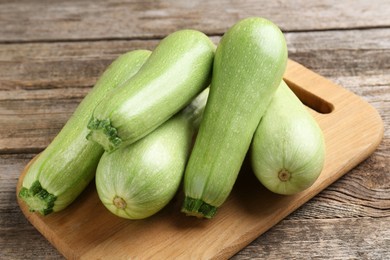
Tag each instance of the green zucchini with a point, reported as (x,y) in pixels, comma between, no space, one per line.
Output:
(288,148)
(178,69)
(137,180)
(248,67)
(68,164)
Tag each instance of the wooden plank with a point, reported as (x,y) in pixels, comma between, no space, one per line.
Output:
(16,234)
(41,84)
(348,225)
(357,60)
(352,131)
(363,193)
(30,125)
(48,66)
(305,239)
(85,20)
(333,216)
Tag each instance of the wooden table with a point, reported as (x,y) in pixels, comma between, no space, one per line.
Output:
(52,52)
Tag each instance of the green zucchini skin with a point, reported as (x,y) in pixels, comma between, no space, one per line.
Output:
(288,148)
(137,180)
(68,164)
(248,67)
(178,69)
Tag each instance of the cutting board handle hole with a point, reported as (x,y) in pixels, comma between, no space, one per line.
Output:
(311,100)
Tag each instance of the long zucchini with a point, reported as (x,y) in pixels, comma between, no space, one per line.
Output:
(248,67)
(288,148)
(178,69)
(68,164)
(137,180)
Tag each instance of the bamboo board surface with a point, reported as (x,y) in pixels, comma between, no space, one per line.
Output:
(352,129)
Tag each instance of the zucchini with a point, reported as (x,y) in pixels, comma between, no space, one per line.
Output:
(248,67)
(288,148)
(136,181)
(178,69)
(68,164)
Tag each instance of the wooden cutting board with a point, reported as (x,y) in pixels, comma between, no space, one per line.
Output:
(352,129)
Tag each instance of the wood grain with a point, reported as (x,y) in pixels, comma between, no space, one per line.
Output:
(345,41)
(304,239)
(45,82)
(41,85)
(352,219)
(85,20)
(249,211)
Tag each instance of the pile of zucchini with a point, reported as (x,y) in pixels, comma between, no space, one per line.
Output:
(186,111)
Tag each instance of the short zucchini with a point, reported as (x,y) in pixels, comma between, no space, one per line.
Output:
(68,164)
(178,69)
(137,180)
(248,67)
(288,148)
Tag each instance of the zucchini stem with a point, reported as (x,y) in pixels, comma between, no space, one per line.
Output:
(37,198)
(103,133)
(198,208)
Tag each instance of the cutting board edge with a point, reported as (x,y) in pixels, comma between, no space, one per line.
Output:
(38,222)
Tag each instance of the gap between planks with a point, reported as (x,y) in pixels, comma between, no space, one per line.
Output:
(160,37)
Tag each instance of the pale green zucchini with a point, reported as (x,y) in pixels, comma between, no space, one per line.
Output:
(178,69)
(288,148)
(248,67)
(68,164)
(137,180)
